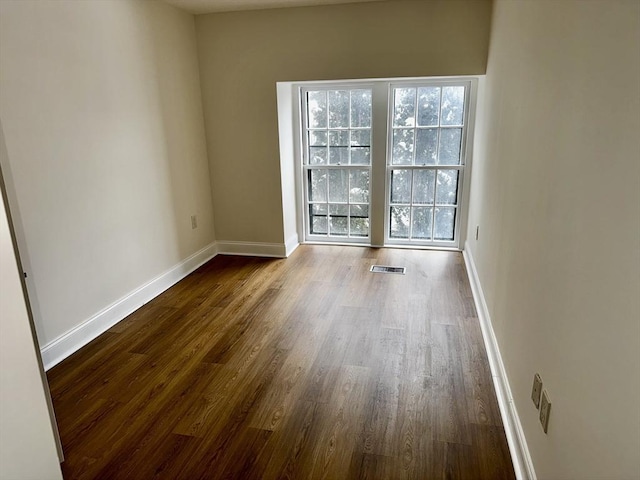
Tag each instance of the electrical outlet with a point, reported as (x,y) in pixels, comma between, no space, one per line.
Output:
(536,391)
(194,222)
(545,410)
(477,231)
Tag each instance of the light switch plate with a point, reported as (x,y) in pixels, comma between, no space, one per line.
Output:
(545,410)
(536,390)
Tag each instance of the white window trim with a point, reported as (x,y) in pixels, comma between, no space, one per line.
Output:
(308,237)
(377,240)
(462,167)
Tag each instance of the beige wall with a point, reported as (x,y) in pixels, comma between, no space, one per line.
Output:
(243,55)
(556,193)
(27,443)
(102,113)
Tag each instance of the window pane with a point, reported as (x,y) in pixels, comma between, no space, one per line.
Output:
(317,138)
(399,220)
(452,105)
(317,109)
(319,209)
(317,185)
(339,138)
(359,211)
(444,224)
(421,228)
(318,222)
(360,156)
(359,218)
(317,155)
(402,147)
(447,192)
(426,146)
(423,186)
(359,192)
(450,139)
(338,210)
(400,186)
(404,107)
(360,108)
(338,185)
(338,215)
(428,106)
(318,225)
(338,155)
(360,138)
(338,109)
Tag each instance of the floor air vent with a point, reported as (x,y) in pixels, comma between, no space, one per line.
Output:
(383,269)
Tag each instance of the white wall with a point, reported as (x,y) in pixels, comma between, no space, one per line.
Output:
(101,107)
(244,54)
(27,444)
(288,180)
(556,193)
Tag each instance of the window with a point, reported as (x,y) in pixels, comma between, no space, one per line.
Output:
(423,156)
(337,163)
(426,160)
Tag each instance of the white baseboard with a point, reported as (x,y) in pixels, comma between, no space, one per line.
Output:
(522,463)
(68,343)
(227,247)
(291,244)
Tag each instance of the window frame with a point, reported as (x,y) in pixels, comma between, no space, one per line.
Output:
(299,90)
(305,167)
(461,198)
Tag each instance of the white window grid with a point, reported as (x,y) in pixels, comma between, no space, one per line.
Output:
(460,167)
(462,186)
(349,236)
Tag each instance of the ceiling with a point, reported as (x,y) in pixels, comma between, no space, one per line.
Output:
(210,6)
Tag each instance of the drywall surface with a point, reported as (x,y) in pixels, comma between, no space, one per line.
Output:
(286,134)
(102,114)
(556,193)
(243,55)
(27,445)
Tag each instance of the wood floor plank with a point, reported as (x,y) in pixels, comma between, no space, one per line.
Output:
(289,383)
(318,384)
(366,466)
(341,425)
(452,421)
(221,433)
(281,458)
(154,439)
(414,433)
(482,401)
(305,367)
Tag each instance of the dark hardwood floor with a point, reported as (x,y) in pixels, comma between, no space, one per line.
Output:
(309,367)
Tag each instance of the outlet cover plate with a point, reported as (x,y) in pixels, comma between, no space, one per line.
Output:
(536,391)
(545,410)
